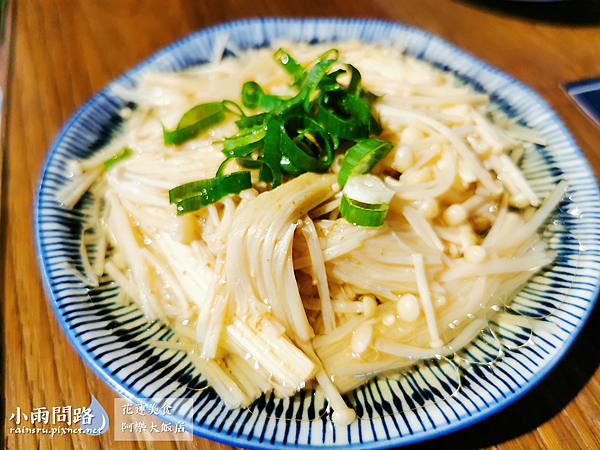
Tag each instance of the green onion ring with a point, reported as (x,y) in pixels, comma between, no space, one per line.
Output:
(245,162)
(270,172)
(252,135)
(237,111)
(363,214)
(296,161)
(197,120)
(247,123)
(122,155)
(352,128)
(254,97)
(196,195)
(289,64)
(362,157)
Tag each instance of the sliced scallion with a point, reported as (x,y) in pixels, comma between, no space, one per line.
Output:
(249,163)
(246,123)
(245,162)
(196,195)
(293,137)
(233,108)
(306,146)
(362,157)
(355,85)
(289,106)
(197,120)
(254,97)
(330,83)
(343,119)
(319,80)
(251,136)
(242,150)
(311,83)
(367,188)
(363,214)
(122,155)
(289,64)
(270,172)
(333,53)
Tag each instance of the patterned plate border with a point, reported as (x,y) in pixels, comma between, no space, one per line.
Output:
(113,339)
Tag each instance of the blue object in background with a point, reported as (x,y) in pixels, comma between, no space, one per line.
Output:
(586,95)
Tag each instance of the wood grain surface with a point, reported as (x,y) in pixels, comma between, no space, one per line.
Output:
(66,50)
(6,15)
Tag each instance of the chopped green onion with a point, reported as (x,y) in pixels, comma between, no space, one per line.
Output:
(354,87)
(122,155)
(254,97)
(328,55)
(318,77)
(288,106)
(329,82)
(369,96)
(355,106)
(197,120)
(375,125)
(249,163)
(237,111)
(242,151)
(245,162)
(292,137)
(241,140)
(289,64)
(266,175)
(332,111)
(198,194)
(270,172)
(325,55)
(367,188)
(246,123)
(347,116)
(202,186)
(363,214)
(221,169)
(311,83)
(306,146)
(362,157)
(297,71)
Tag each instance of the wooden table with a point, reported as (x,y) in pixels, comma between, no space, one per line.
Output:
(65,51)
